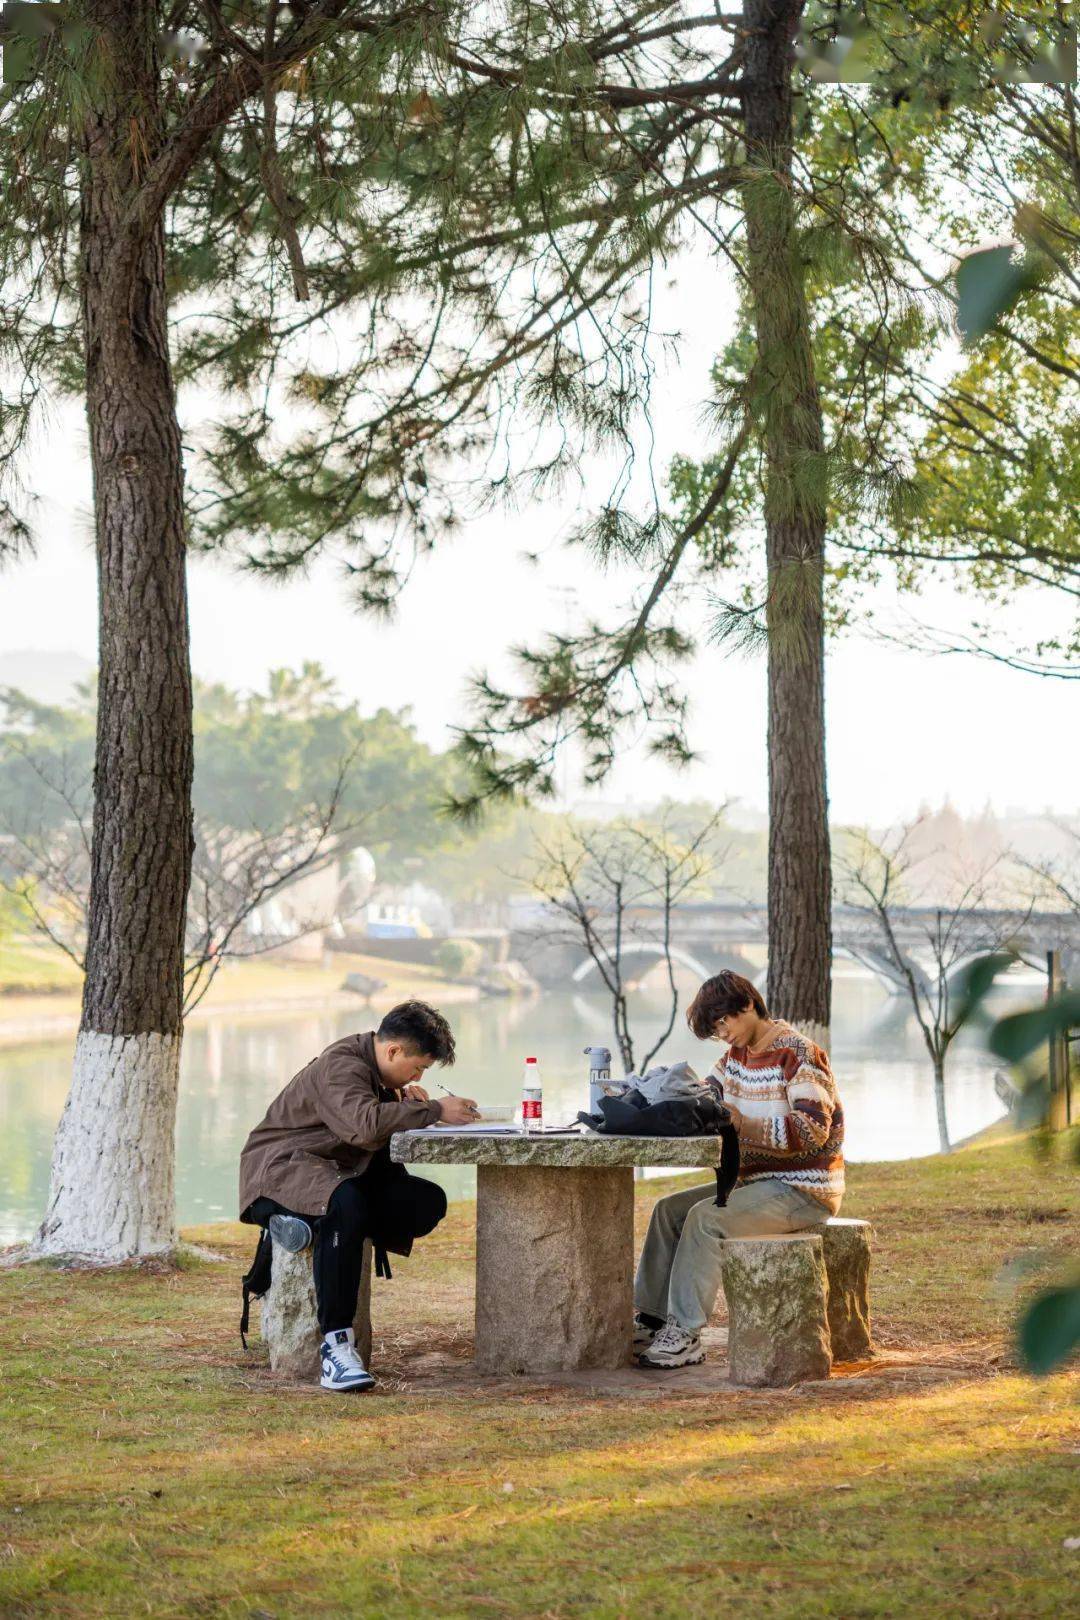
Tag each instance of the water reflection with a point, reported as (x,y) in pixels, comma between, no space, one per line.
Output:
(233,1066)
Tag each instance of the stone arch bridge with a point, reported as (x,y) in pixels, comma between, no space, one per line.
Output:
(707,937)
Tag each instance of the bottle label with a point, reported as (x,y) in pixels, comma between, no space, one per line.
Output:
(531,1107)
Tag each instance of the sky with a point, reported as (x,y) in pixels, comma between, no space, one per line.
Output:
(904,728)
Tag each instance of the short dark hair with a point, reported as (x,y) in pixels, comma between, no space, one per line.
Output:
(416,1025)
(723,994)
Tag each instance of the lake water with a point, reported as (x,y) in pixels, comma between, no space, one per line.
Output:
(233,1066)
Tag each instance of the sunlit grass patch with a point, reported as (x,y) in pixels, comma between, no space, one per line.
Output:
(150,1467)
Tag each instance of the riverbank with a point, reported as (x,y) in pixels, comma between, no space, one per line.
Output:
(45,1004)
(159,1470)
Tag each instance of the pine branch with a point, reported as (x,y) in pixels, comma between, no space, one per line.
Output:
(271,163)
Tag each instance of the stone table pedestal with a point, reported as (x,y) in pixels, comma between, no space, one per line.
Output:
(554,1239)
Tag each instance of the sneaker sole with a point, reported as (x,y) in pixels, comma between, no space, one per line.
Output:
(349,1389)
(672,1366)
(290,1233)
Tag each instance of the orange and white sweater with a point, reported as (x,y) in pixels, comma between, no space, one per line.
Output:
(793,1121)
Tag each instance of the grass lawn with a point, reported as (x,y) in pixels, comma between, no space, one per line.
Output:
(149,1467)
(32,968)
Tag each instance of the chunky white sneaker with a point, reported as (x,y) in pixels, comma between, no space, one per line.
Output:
(342,1368)
(643,1334)
(291,1233)
(673,1347)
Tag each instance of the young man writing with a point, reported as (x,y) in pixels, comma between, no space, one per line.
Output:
(317,1167)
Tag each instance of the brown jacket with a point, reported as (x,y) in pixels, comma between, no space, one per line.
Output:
(324,1126)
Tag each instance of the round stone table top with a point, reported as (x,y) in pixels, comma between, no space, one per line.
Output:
(572,1150)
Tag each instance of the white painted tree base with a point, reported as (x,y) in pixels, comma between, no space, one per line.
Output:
(818,1033)
(111,1194)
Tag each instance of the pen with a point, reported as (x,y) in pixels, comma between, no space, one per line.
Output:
(449,1093)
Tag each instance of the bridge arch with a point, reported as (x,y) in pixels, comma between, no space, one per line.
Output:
(646,948)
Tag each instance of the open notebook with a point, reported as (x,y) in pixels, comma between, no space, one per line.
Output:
(504,1130)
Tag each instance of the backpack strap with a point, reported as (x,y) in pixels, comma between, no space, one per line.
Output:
(382,1262)
(256,1279)
(727,1171)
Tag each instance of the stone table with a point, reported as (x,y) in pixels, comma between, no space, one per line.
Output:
(554,1238)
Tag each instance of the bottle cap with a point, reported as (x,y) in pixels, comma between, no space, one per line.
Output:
(530,1060)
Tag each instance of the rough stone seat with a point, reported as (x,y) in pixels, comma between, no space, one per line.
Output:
(290,1319)
(797,1302)
(847,1245)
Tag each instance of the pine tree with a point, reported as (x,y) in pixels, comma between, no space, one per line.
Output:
(230,192)
(846,455)
(386,235)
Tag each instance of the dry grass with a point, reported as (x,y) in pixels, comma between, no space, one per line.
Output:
(150,1468)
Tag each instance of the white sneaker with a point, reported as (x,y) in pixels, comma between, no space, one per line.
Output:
(342,1368)
(643,1334)
(673,1347)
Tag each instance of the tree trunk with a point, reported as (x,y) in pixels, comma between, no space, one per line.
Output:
(939,1102)
(111,1193)
(788,410)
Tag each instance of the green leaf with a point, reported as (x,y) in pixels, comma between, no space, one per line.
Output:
(1017,1036)
(976,980)
(1050,1328)
(988,284)
(20,60)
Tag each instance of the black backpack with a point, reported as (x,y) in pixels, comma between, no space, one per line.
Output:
(256,1280)
(679,1116)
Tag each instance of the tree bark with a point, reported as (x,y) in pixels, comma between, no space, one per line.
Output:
(939,1102)
(111,1193)
(788,410)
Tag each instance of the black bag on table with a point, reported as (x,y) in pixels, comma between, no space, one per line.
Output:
(679,1116)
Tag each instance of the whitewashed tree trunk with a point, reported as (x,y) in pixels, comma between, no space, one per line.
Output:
(112,1191)
(939,1103)
(111,1194)
(818,1033)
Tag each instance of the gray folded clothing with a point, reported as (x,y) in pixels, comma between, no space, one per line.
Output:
(669,1082)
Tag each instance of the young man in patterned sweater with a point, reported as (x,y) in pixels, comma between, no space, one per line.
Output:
(784,1105)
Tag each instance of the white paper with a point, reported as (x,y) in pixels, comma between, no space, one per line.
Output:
(503,1130)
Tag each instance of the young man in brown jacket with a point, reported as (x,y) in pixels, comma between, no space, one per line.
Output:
(317,1167)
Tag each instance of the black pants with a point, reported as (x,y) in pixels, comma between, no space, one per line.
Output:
(385,1204)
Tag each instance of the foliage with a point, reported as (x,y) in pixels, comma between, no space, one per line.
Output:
(966,941)
(262,757)
(1049,1328)
(281,750)
(287,780)
(15,913)
(935,460)
(459,958)
(409,227)
(1018,1035)
(613,887)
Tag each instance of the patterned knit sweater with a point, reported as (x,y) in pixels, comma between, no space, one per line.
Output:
(793,1122)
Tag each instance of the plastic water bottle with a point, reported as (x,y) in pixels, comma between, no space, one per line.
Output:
(532,1098)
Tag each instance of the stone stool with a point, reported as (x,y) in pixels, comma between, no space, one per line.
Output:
(777,1292)
(847,1263)
(290,1324)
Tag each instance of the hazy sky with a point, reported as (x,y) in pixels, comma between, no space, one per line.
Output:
(903,727)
